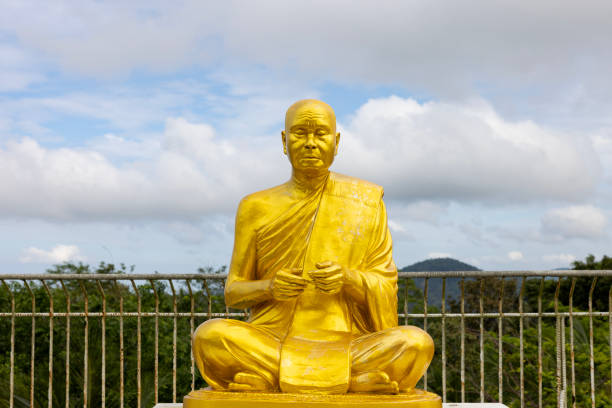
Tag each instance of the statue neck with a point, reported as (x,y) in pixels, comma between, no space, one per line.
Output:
(307,182)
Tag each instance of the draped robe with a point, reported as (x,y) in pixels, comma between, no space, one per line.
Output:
(344,221)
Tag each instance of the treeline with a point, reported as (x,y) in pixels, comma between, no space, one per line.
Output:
(409,294)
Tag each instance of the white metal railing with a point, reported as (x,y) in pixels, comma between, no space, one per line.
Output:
(480,320)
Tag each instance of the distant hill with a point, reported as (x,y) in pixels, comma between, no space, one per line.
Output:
(439,264)
(435,285)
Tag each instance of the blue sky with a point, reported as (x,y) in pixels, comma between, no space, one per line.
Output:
(130,131)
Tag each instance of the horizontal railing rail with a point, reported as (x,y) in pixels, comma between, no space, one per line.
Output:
(524,338)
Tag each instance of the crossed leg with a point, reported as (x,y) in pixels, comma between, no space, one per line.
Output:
(234,355)
(391,360)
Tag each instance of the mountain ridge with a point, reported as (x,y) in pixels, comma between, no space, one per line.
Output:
(435,285)
(439,264)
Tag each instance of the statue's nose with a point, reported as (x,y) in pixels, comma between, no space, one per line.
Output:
(310,144)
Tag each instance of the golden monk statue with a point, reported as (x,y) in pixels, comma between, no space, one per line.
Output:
(312,260)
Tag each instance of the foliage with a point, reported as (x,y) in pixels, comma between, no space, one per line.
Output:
(209,296)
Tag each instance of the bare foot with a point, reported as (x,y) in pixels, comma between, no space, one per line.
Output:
(248,382)
(373,381)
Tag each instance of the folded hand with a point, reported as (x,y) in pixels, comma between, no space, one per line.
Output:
(287,284)
(329,277)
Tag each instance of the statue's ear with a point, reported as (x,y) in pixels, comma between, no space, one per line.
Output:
(284,141)
(337,142)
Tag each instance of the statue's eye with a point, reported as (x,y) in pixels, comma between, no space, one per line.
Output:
(300,131)
(321,132)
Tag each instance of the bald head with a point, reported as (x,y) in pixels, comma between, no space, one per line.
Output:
(310,108)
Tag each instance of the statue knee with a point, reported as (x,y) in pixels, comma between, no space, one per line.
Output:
(416,339)
(208,333)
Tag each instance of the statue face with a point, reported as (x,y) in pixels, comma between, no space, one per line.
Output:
(310,139)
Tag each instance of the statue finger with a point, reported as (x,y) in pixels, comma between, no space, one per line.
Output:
(332,268)
(330,280)
(285,277)
(291,291)
(324,264)
(290,285)
(324,273)
(331,289)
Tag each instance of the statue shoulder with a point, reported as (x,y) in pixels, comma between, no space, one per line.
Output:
(258,205)
(357,189)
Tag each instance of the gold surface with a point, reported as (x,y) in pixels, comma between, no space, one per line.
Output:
(312,260)
(205,398)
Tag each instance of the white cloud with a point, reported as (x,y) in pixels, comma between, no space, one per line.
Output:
(465,151)
(424,211)
(421,153)
(192,173)
(580,221)
(515,256)
(435,255)
(16,68)
(58,254)
(412,43)
(559,259)
(396,227)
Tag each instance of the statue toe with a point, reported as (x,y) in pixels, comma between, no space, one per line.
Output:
(249,382)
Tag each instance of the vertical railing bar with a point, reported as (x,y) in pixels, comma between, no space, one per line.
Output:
(462,306)
(591,357)
(32,343)
(571,333)
(521,344)
(540,373)
(121,351)
(563,362)
(50,390)
(191,330)
(138,344)
(12,355)
(481,308)
(610,329)
(500,332)
(103,345)
(558,342)
(444,340)
(156,367)
(425,301)
(86,348)
(174,335)
(406,302)
(67,363)
(226,307)
(208,298)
